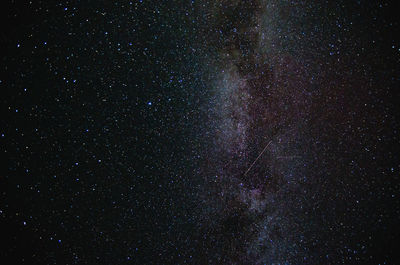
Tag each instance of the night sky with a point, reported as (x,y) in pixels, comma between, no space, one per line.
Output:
(200,132)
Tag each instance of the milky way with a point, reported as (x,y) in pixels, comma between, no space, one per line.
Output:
(200,132)
(269,164)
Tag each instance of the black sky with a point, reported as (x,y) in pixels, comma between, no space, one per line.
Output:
(127,127)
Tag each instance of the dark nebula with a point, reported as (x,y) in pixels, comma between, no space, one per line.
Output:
(200,132)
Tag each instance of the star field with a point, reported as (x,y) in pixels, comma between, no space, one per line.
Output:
(200,132)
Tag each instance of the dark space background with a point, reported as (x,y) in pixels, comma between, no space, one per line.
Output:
(200,132)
